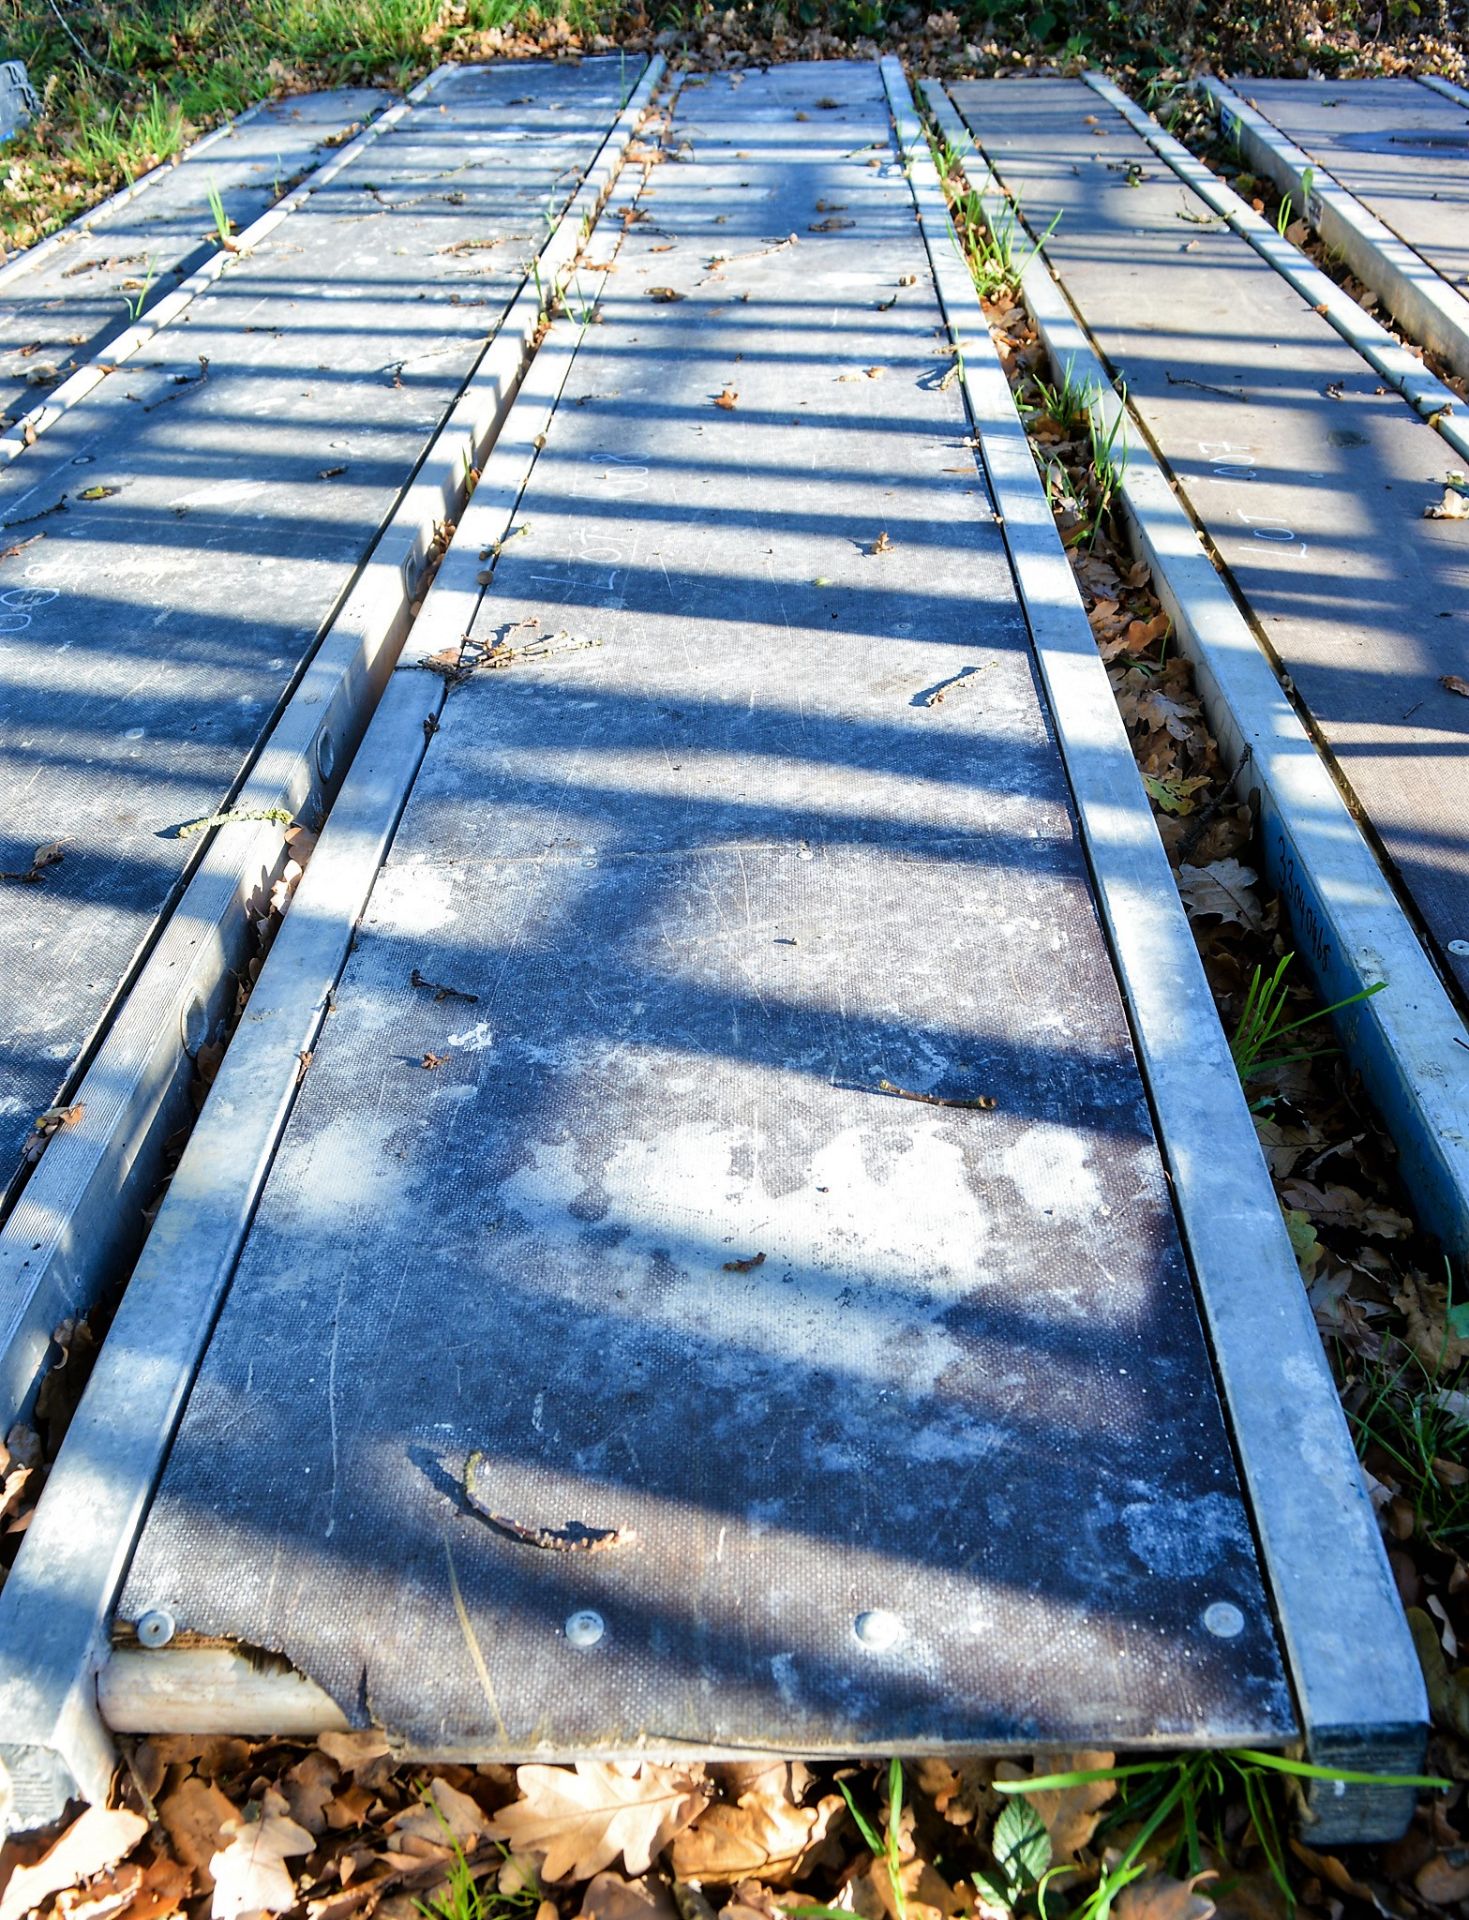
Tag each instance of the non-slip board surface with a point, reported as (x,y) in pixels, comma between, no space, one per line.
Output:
(80,293)
(146,638)
(1402,149)
(1309,477)
(651,1237)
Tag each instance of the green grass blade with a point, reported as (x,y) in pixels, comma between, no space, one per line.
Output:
(1302,1770)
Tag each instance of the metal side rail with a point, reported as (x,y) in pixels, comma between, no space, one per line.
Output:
(163,311)
(1350,928)
(1390,144)
(79,1218)
(80,286)
(1401,369)
(1413,290)
(1353,1667)
(55,1741)
(1448,88)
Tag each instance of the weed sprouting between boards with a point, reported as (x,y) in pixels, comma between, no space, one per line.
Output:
(1407,1417)
(996,245)
(1185,1797)
(1108,455)
(1067,402)
(885,1846)
(465,1894)
(998,250)
(137,304)
(223,225)
(1073,405)
(1262,1025)
(1167,1811)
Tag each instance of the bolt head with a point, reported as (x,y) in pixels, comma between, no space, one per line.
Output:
(877,1629)
(155,1628)
(1224,1620)
(586,1628)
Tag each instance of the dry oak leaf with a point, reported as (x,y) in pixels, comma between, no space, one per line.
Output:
(1162,712)
(581,1818)
(959,1793)
(1453,506)
(1160,1898)
(210,1755)
(1425,1307)
(610,1897)
(310,1787)
(353,1751)
(165,1887)
(425,1822)
(752,1901)
(194,1816)
(763,1830)
(1443,1880)
(352,1807)
(1222,890)
(1070,1814)
(1455,683)
(92,1845)
(250,1874)
(926,1895)
(108,1894)
(1328,1867)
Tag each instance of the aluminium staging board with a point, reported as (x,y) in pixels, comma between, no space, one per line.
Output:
(69,295)
(653,1239)
(1400,148)
(149,632)
(1308,476)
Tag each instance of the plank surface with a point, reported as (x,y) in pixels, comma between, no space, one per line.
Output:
(1309,478)
(1401,149)
(149,632)
(79,292)
(629,1213)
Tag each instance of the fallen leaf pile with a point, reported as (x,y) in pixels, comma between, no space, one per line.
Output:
(221,1829)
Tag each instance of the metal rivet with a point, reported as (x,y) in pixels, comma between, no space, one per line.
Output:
(585,1629)
(1224,1620)
(878,1629)
(155,1628)
(1461,947)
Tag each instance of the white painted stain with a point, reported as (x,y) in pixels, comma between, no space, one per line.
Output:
(220,493)
(476,1039)
(899,1207)
(1047,1165)
(415,900)
(783,1673)
(1178,1537)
